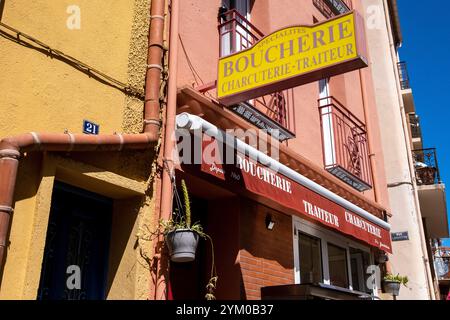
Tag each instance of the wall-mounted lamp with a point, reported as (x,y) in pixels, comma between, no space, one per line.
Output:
(382,258)
(270,224)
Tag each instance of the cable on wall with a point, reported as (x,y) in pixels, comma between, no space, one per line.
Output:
(77,64)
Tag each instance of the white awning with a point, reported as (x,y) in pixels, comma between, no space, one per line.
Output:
(191,122)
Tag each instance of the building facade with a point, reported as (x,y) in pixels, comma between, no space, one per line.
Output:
(416,192)
(410,257)
(441,258)
(297,253)
(78,200)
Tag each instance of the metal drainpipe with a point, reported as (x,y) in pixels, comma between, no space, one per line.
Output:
(369,135)
(169,143)
(154,66)
(370,145)
(9,163)
(11,148)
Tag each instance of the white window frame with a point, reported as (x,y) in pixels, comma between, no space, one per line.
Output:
(241,6)
(327,123)
(326,236)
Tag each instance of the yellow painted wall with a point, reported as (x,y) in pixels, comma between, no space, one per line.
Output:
(43,94)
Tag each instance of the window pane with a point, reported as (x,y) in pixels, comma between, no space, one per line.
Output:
(310,259)
(360,261)
(337,260)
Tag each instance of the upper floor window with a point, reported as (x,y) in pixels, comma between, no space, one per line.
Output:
(330,8)
(270,113)
(236,31)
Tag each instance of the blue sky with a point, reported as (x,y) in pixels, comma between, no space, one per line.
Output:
(426,49)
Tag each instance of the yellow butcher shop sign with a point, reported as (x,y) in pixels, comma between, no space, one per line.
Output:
(291,57)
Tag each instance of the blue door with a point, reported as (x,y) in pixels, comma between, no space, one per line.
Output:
(75,259)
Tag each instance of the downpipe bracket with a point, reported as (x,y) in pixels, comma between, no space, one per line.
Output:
(7,209)
(9,154)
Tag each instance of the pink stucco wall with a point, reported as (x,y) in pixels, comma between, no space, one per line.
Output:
(199,36)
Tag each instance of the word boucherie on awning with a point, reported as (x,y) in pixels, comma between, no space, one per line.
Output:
(288,188)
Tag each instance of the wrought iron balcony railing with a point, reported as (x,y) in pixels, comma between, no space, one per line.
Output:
(426,165)
(348,3)
(236,34)
(345,144)
(330,8)
(414,122)
(441,257)
(404,76)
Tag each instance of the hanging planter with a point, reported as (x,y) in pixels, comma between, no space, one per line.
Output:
(391,284)
(392,287)
(182,245)
(182,237)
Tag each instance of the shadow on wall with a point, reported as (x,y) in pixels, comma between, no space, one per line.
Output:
(52,53)
(188,280)
(220,218)
(133,164)
(122,261)
(26,188)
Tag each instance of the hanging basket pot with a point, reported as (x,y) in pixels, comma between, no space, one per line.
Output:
(392,287)
(182,245)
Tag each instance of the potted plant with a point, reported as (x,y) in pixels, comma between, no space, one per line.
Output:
(392,283)
(180,234)
(427,175)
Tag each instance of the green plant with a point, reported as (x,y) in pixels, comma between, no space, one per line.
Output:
(187,203)
(397,278)
(180,221)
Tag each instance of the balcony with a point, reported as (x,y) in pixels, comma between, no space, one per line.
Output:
(271,113)
(404,76)
(426,164)
(431,192)
(345,145)
(416,130)
(331,8)
(405,86)
(442,262)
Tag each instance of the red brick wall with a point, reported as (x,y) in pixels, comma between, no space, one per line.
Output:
(266,257)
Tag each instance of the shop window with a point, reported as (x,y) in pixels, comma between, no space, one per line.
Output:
(323,256)
(337,264)
(310,259)
(359,261)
